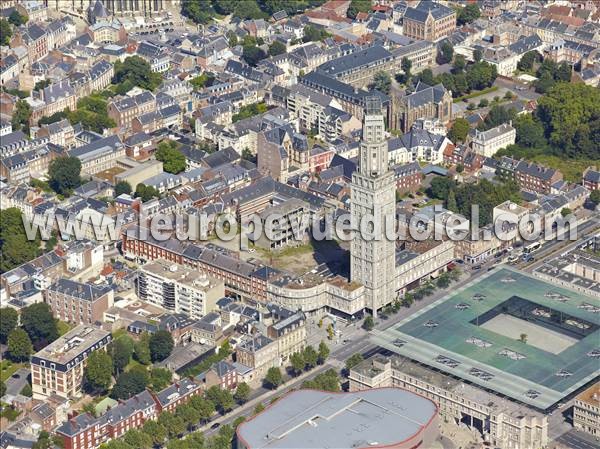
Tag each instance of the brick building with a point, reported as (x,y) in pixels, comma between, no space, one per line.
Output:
(79,303)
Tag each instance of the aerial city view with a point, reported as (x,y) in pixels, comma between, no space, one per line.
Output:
(299,224)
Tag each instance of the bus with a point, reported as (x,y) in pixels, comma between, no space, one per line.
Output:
(532,247)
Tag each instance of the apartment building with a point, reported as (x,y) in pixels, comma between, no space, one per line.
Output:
(487,143)
(408,177)
(58,368)
(586,410)
(178,288)
(288,330)
(21,167)
(76,302)
(97,77)
(55,98)
(123,110)
(99,155)
(319,113)
(505,423)
(284,231)
(259,353)
(430,21)
(534,177)
(59,133)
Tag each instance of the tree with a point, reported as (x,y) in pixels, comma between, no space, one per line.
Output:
(313,33)
(353,361)
(311,357)
(273,378)
(242,393)
(138,439)
(440,187)
(253,55)
(41,85)
(160,378)
(327,381)
(595,197)
(530,131)
(483,103)
(44,441)
(523,338)
(15,246)
(570,115)
(497,116)
(2,388)
(146,193)
(38,322)
(259,408)
(477,55)
(9,318)
(323,352)
(459,63)
(188,414)
(141,349)
(527,60)
(446,53)
(19,345)
(565,211)
(357,6)
(21,116)
(451,202)
(5,32)
(277,48)
(129,384)
(137,72)
(156,431)
(121,351)
(481,75)
(205,407)
(468,14)
(92,113)
(297,363)
(173,160)
(98,372)
(249,110)
(161,344)
(222,399)
(17,19)
(426,76)
(382,82)
(64,174)
(368,323)
(174,425)
(122,187)
(459,131)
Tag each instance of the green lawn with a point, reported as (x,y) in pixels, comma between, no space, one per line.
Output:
(572,169)
(476,94)
(8,368)
(63,327)
(119,333)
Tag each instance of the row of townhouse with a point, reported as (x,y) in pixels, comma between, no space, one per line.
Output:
(87,432)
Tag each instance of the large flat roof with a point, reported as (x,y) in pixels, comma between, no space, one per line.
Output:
(451,335)
(320,419)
